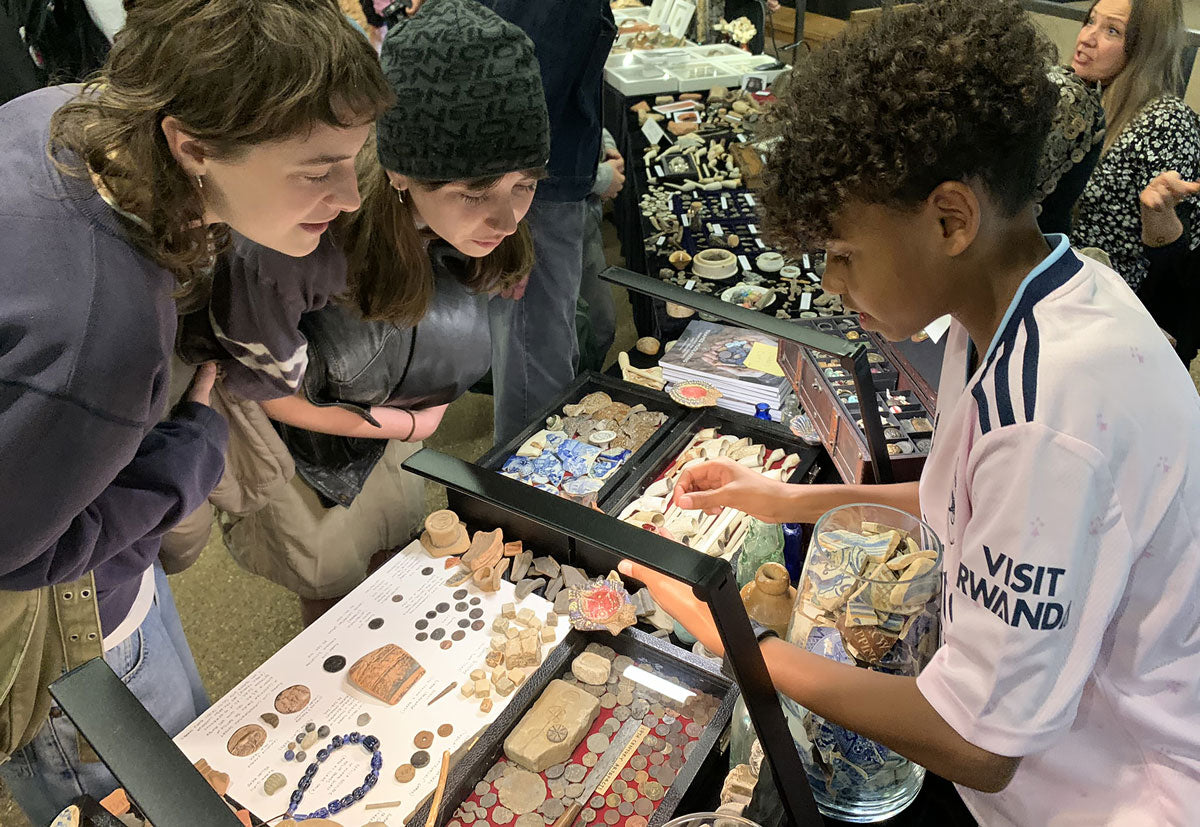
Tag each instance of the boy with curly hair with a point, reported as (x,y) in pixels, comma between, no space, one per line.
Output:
(1064,479)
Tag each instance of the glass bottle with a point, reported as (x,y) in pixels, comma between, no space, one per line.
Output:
(763,544)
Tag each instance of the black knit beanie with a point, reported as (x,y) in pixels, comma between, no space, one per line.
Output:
(469,99)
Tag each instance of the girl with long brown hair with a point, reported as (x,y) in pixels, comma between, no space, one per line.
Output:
(1133,49)
(446,185)
(210,117)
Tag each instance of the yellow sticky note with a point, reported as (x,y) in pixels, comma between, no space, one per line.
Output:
(765,358)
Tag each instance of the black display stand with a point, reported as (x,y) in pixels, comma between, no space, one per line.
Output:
(711,580)
(853,357)
(155,774)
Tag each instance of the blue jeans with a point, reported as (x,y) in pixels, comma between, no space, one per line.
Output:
(534,347)
(156,664)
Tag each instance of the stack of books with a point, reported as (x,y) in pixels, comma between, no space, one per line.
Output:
(739,363)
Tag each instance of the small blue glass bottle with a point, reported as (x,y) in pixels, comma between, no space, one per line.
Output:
(762,411)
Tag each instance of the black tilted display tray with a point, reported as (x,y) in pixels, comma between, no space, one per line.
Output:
(475,511)
(711,580)
(698,674)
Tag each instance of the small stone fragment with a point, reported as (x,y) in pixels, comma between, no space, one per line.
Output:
(551,619)
(483,689)
(546,565)
(562,602)
(310,738)
(526,587)
(508,610)
(270,719)
(364,719)
(499,624)
(275,782)
(573,578)
(478,674)
(512,633)
(504,686)
(494,659)
(553,588)
(512,549)
(591,668)
(485,706)
(548,635)
(521,564)
(468,689)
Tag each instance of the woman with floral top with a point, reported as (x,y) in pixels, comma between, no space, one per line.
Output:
(1133,49)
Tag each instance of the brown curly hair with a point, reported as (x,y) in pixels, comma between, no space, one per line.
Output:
(949,90)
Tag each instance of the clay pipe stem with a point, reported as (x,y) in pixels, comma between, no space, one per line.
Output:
(441,788)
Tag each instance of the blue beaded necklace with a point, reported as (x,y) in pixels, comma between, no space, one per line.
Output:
(370,743)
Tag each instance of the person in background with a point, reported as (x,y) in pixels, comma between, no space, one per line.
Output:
(1171,290)
(535,351)
(610,178)
(441,228)
(114,199)
(1067,441)
(1133,49)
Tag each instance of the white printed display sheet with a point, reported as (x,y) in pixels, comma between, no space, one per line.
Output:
(406,603)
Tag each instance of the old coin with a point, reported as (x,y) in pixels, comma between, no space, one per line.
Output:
(608,700)
(574,773)
(637,820)
(247,740)
(552,808)
(621,713)
(530,820)
(643,807)
(334,663)
(375,623)
(476,625)
(445,730)
(597,742)
(694,730)
(656,758)
(638,762)
(558,787)
(589,759)
(555,770)
(662,730)
(597,801)
(521,791)
(396,598)
(483,788)
(612,817)
(437,634)
(587,815)
(619,786)
(627,774)
(275,782)
(641,777)
(624,697)
(420,759)
(574,790)
(292,700)
(653,790)
(446,644)
(625,808)
(612,800)
(424,739)
(487,800)
(405,773)
(630,795)
(501,815)
(458,634)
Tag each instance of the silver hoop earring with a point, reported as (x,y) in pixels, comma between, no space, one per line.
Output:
(400,195)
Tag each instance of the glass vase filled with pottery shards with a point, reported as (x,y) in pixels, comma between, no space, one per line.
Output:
(869,596)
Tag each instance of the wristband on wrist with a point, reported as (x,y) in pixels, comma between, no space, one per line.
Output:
(412,430)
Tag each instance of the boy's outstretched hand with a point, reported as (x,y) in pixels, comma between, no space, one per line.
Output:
(722,483)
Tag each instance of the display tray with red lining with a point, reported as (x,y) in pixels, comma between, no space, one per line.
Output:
(685,703)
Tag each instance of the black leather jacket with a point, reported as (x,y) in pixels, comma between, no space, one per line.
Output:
(356,364)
